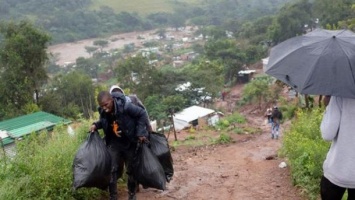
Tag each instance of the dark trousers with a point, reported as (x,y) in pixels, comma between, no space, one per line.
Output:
(330,191)
(118,157)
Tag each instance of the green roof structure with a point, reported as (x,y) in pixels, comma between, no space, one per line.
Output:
(6,141)
(24,125)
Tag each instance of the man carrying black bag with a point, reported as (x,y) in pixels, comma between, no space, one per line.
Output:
(123,124)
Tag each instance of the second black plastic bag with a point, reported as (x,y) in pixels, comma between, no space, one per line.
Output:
(147,169)
(92,164)
(160,147)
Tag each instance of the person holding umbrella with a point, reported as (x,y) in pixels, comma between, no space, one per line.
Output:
(322,62)
(339,166)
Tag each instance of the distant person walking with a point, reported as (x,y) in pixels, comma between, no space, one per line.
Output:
(339,166)
(276,118)
(224,93)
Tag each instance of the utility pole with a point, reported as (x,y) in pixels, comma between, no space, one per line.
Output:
(171,112)
(3,147)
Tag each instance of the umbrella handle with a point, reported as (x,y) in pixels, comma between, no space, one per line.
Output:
(290,82)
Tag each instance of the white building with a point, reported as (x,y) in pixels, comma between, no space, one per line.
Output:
(193,116)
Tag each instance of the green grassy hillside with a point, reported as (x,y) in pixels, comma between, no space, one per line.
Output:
(142,7)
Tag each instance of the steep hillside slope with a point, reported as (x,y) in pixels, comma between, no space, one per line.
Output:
(140,6)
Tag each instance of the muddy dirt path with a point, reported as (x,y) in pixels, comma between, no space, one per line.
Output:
(235,171)
(240,170)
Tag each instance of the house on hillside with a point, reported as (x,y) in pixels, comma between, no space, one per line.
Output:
(178,63)
(16,128)
(189,56)
(193,116)
(245,76)
(265,61)
(146,52)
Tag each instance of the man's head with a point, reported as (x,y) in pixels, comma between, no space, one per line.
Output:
(105,101)
(116,88)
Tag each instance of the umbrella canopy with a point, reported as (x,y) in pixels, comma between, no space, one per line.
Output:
(321,62)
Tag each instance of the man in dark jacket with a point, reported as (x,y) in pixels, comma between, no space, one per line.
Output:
(124,124)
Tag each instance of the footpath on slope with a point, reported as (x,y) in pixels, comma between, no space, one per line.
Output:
(247,169)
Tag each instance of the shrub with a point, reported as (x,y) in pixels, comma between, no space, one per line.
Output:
(306,151)
(289,111)
(231,119)
(42,167)
(190,137)
(287,108)
(236,118)
(222,124)
(252,130)
(223,139)
(257,90)
(238,130)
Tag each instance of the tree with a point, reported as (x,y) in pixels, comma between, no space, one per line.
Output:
(290,21)
(88,66)
(143,79)
(339,9)
(174,102)
(256,31)
(348,23)
(257,90)
(128,48)
(231,55)
(23,56)
(4,7)
(216,32)
(220,49)
(137,74)
(158,106)
(90,49)
(155,108)
(177,21)
(160,18)
(101,43)
(71,96)
(131,20)
(161,33)
(207,77)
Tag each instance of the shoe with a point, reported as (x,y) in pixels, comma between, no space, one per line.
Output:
(168,178)
(132,196)
(113,197)
(113,193)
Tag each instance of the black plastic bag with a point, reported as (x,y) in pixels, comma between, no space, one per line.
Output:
(92,164)
(147,169)
(160,147)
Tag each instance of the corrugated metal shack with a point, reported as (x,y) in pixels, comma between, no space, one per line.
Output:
(16,128)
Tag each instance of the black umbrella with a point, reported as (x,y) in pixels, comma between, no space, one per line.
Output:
(320,62)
